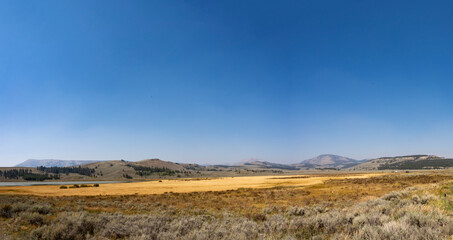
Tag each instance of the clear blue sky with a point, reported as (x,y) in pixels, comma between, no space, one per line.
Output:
(223,81)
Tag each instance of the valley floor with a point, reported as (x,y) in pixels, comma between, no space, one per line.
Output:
(416,205)
(183,185)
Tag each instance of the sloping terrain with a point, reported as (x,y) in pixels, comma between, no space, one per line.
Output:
(110,170)
(405,162)
(267,165)
(327,161)
(103,170)
(144,169)
(157,163)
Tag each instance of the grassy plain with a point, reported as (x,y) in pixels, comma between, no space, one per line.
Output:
(415,205)
(182,185)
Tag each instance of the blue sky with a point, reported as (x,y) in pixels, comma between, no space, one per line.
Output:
(223,81)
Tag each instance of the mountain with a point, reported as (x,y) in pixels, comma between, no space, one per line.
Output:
(54,163)
(247,160)
(327,161)
(266,165)
(405,162)
(256,163)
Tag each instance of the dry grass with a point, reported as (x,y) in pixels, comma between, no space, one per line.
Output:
(387,206)
(180,186)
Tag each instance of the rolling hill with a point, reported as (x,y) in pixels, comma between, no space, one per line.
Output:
(100,170)
(405,162)
(266,165)
(327,161)
(157,163)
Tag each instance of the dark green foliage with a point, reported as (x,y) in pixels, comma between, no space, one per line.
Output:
(27,174)
(125,175)
(39,177)
(6,211)
(59,170)
(419,164)
(146,171)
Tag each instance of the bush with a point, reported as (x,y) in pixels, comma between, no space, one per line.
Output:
(257,217)
(399,215)
(33,218)
(6,211)
(20,207)
(63,187)
(41,209)
(70,226)
(96,185)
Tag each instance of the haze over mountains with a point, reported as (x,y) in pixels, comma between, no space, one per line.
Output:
(321,161)
(54,162)
(265,165)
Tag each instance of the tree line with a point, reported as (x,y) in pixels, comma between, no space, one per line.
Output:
(27,174)
(420,164)
(66,170)
(145,171)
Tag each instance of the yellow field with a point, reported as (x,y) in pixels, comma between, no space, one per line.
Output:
(181,186)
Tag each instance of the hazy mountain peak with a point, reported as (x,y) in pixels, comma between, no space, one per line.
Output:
(328,161)
(54,163)
(249,160)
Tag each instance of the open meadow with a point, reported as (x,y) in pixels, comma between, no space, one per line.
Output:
(415,205)
(183,185)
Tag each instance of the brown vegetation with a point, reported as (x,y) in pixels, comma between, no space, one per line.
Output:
(380,207)
(183,185)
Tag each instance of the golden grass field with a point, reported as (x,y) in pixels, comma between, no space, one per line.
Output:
(340,205)
(182,185)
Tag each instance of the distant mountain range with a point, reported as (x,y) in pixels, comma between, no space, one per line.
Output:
(116,168)
(54,163)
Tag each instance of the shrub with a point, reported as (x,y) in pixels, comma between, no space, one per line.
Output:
(392,196)
(422,199)
(6,211)
(20,207)
(297,211)
(96,185)
(63,187)
(398,215)
(33,218)
(258,217)
(41,209)
(68,226)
